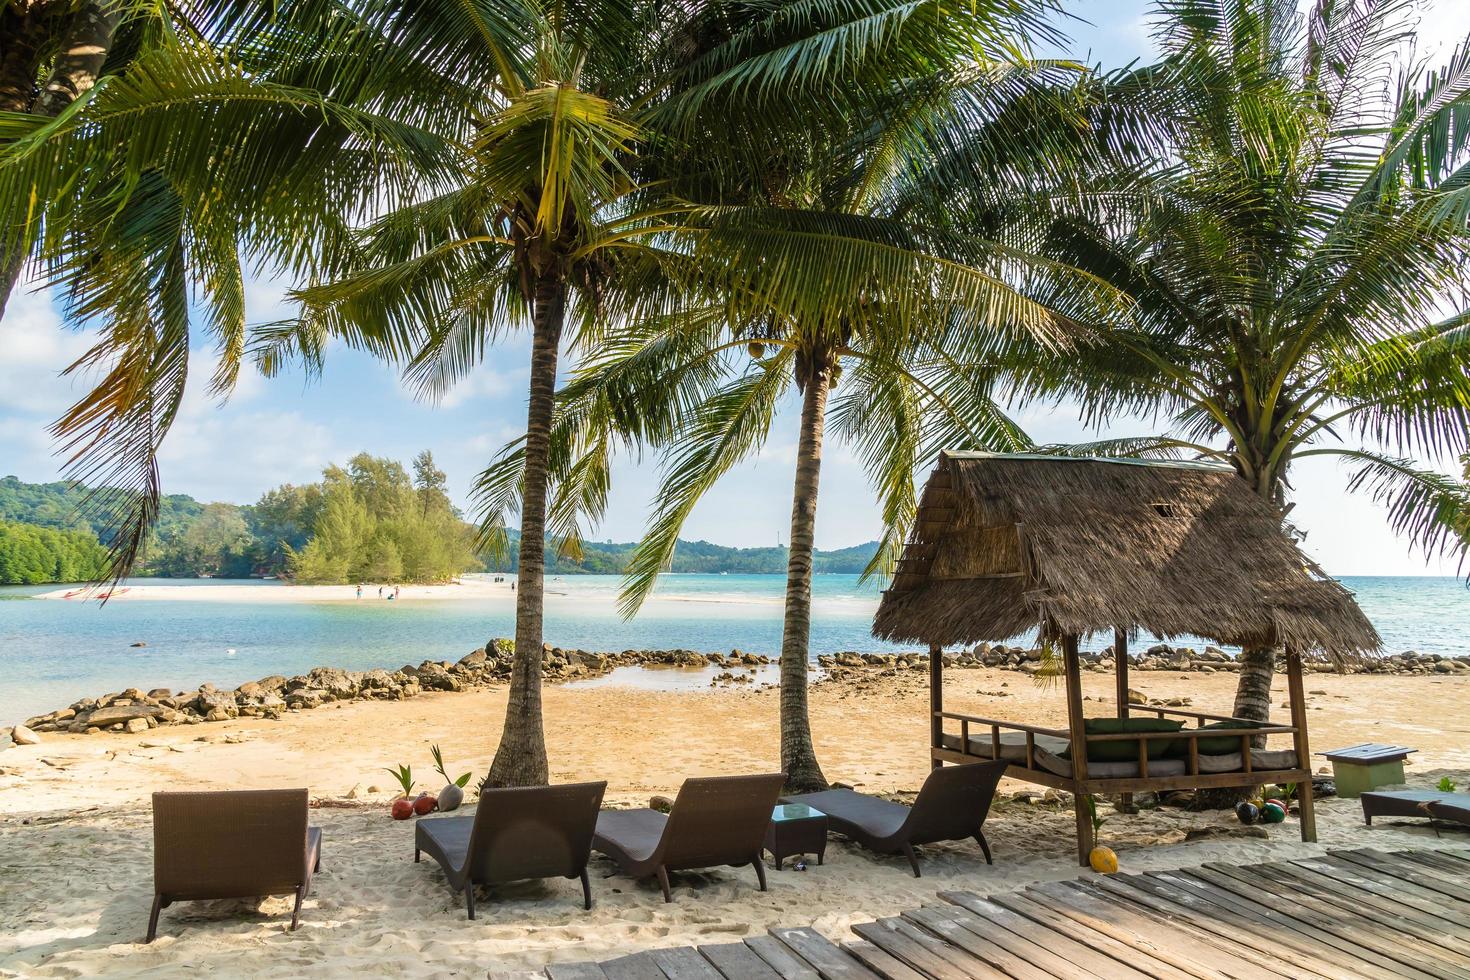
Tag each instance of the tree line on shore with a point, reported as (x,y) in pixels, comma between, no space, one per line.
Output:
(890,212)
(366,521)
(391,532)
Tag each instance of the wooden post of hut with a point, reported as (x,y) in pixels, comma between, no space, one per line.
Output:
(1120,660)
(1298,701)
(936,700)
(1072,664)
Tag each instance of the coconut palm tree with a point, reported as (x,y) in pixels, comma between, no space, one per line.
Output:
(565,216)
(1293,233)
(914,320)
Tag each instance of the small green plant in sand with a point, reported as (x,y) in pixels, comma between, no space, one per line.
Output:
(439,766)
(404,775)
(1094,813)
(1447,785)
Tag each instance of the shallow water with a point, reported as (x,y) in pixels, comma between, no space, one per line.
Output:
(53,652)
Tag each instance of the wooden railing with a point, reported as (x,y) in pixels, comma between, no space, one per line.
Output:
(1192,736)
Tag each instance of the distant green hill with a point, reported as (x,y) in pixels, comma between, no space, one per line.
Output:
(229,540)
(611,558)
(59,506)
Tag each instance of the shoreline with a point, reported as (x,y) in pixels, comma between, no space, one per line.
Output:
(271,697)
(267,591)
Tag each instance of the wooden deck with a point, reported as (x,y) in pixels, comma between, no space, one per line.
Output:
(1363,913)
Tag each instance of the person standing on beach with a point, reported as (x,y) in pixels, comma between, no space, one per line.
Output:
(359,590)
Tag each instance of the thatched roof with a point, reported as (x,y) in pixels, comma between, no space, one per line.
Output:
(1003,544)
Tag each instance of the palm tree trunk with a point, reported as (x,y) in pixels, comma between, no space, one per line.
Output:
(86,40)
(798,757)
(520,759)
(1256,666)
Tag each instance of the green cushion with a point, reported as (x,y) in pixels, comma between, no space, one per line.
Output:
(1126,751)
(1221,745)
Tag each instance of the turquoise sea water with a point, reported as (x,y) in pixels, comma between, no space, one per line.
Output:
(53,652)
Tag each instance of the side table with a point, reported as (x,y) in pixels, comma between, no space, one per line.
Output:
(796,829)
(1360,768)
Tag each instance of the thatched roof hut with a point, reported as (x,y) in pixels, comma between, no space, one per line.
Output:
(1003,544)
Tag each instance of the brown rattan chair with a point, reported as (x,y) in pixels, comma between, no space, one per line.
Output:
(517,833)
(951,805)
(233,844)
(715,820)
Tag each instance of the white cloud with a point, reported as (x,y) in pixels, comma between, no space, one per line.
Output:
(219,454)
(35,347)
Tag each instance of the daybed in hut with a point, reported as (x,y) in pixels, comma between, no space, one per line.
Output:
(1004,545)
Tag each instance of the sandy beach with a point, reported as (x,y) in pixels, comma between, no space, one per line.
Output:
(75,835)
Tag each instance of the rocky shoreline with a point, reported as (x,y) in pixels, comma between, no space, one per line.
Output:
(134,710)
(1160,656)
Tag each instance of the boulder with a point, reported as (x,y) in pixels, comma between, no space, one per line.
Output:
(475,658)
(306,698)
(22,735)
(159,692)
(434,677)
(212,705)
(377,680)
(337,683)
(136,725)
(123,714)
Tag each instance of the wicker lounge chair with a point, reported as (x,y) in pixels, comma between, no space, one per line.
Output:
(1430,804)
(715,820)
(234,844)
(517,833)
(951,805)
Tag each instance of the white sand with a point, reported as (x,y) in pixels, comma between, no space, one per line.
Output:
(76,846)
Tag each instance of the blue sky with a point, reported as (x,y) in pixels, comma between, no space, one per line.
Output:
(284,430)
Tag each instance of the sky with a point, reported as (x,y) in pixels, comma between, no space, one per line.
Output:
(286,430)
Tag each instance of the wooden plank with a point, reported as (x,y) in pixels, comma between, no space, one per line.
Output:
(830,962)
(788,966)
(738,962)
(1287,921)
(1051,951)
(1446,860)
(575,971)
(1166,938)
(1406,860)
(931,955)
(1392,889)
(1059,925)
(886,966)
(1397,917)
(1407,873)
(1350,925)
(1265,937)
(978,938)
(1382,909)
(635,966)
(684,963)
